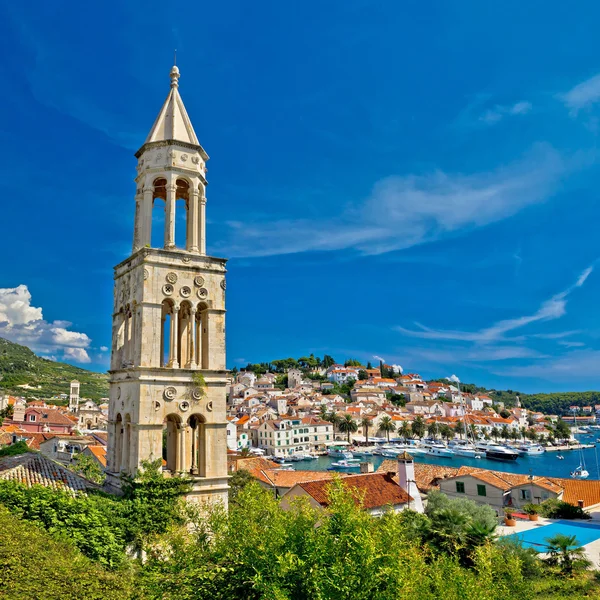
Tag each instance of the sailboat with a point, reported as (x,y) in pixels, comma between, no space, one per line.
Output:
(466,449)
(580,472)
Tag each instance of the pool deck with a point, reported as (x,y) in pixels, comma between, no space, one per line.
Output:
(592,549)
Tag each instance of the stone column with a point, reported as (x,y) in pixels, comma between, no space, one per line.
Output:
(194,449)
(192,242)
(161,361)
(173,362)
(111,458)
(146,233)
(126,341)
(125,448)
(170,214)
(137,226)
(132,344)
(192,339)
(202,226)
(182,466)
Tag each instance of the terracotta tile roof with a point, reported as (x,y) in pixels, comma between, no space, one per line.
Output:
(51,416)
(250,463)
(288,479)
(427,476)
(35,469)
(99,453)
(376,489)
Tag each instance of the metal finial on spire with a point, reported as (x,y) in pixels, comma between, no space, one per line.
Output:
(175,57)
(175,74)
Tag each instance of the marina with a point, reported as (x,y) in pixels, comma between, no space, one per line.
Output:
(559,461)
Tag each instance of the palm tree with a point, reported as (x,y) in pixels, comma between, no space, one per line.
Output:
(387,425)
(433,429)
(523,431)
(365,424)
(566,553)
(459,428)
(347,425)
(405,430)
(495,433)
(447,432)
(504,432)
(418,427)
(323,412)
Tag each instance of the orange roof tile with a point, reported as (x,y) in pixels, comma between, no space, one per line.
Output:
(376,490)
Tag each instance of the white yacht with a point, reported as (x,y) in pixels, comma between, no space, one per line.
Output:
(530,449)
(339,452)
(466,449)
(439,450)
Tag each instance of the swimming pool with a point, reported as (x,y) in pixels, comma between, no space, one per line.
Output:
(537,537)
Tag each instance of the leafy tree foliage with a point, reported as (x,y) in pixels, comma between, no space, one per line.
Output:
(347,425)
(387,426)
(34,564)
(14,449)
(87,467)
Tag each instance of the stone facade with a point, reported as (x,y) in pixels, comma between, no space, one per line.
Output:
(168,344)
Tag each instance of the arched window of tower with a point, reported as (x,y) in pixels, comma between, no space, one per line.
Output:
(182,212)
(157,237)
(166,342)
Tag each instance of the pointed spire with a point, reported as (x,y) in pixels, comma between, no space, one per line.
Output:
(173,122)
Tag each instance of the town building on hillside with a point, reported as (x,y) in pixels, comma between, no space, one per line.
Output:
(36,419)
(500,490)
(90,416)
(65,448)
(283,437)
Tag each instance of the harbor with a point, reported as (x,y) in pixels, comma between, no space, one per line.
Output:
(555,461)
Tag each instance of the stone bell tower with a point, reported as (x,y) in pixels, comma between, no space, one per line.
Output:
(168,338)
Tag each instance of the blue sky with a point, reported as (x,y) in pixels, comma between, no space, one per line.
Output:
(413,181)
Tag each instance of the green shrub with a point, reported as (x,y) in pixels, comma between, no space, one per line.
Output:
(35,565)
(557,509)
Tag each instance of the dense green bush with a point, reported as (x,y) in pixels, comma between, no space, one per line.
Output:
(34,564)
(557,509)
(259,551)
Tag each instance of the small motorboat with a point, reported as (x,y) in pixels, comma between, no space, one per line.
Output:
(560,457)
(346,464)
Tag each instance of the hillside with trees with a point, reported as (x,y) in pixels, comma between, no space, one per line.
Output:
(19,366)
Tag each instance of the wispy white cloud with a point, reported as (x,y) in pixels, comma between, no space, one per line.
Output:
(403,211)
(496,114)
(580,364)
(379,358)
(551,309)
(23,323)
(583,95)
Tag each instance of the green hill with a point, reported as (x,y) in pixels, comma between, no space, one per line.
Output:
(20,366)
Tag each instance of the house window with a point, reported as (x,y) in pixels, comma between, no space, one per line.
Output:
(525,495)
(460,487)
(481,491)
(31,418)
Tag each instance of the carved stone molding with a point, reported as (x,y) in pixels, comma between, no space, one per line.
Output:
(169,393)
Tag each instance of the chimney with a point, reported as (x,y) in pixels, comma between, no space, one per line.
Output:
(366,467)
(580,504)
(406,480)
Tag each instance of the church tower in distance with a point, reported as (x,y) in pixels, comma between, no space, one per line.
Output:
(167,374)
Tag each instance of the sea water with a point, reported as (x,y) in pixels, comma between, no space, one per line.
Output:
(547,464)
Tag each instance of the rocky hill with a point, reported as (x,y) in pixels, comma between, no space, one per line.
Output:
(44,378)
